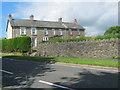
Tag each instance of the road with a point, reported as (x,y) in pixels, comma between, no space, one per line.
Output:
(29,74)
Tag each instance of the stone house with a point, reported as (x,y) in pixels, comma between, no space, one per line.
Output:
(40,30)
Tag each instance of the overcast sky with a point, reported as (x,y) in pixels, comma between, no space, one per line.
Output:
(96,17)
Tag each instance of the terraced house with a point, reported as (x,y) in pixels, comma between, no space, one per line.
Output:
(40,30)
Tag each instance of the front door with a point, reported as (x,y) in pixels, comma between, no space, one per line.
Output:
(34,41)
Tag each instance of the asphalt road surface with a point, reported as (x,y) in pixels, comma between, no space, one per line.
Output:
(29,74)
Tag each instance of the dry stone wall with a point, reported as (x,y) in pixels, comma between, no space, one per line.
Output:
(83,49)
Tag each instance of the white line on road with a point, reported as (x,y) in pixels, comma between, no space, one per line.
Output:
(6,71)
(52,84)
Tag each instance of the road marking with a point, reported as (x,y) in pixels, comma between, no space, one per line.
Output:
(52,84)
(89,68)
(6,71)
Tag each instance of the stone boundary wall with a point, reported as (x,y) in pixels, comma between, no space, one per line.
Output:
(83,49)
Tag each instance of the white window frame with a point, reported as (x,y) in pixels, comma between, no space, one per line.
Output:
(32,30)
(53,32)
(61,33)
(21,31)
(45,31)
(78,31)
(45,38)
(71,33)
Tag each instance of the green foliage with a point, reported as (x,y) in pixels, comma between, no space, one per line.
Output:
(17,44)
(113,30)
(83,38)
(115,57)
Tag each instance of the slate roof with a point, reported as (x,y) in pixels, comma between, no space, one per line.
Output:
(47,24)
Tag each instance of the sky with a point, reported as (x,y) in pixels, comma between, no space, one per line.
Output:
(95,17)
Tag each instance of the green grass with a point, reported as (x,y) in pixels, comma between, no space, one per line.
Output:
(69,60)
(4,55)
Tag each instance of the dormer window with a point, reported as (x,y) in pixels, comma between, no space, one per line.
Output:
(22,30)
(33,31)
(45,31)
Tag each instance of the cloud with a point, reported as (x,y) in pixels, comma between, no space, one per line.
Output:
(96,16)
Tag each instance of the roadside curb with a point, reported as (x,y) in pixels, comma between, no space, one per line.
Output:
(84,65)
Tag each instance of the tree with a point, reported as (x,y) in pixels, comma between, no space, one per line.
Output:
(113,30)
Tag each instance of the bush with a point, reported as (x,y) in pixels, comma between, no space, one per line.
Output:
(56,39)
(115,57)
(107,37)
(113,30)
(17,44)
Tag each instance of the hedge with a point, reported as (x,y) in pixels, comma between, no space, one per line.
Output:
(17,44)
(58,39)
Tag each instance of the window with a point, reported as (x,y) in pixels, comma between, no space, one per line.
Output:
(70,32)
(77,36)
(22,30)
(53,31)
(45,38)
(34,41)
(33,31)
(78,31)
(61,32)
(45,31)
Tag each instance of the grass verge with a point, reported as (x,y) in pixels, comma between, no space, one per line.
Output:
(4,55)
(69,60)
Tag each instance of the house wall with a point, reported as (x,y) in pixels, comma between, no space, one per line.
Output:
(16,32)
(84,49)
(40,33)
(9,31)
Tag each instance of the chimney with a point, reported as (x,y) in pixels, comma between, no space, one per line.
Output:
(9,17)
(31,17)
(60,20)
(75,20)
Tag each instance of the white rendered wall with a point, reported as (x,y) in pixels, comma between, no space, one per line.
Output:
(9,31)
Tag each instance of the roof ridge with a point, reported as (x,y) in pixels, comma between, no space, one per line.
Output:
(45,21)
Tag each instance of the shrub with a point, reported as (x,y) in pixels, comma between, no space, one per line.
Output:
(84,38)
(17,44)
(113,30)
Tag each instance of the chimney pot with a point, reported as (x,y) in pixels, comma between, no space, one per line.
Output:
(60,19)
(9,17)
(31,17)
(75,20)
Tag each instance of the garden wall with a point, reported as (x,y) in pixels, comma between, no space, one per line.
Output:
(82,49)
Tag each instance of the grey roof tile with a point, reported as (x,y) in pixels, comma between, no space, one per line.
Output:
(47,24)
